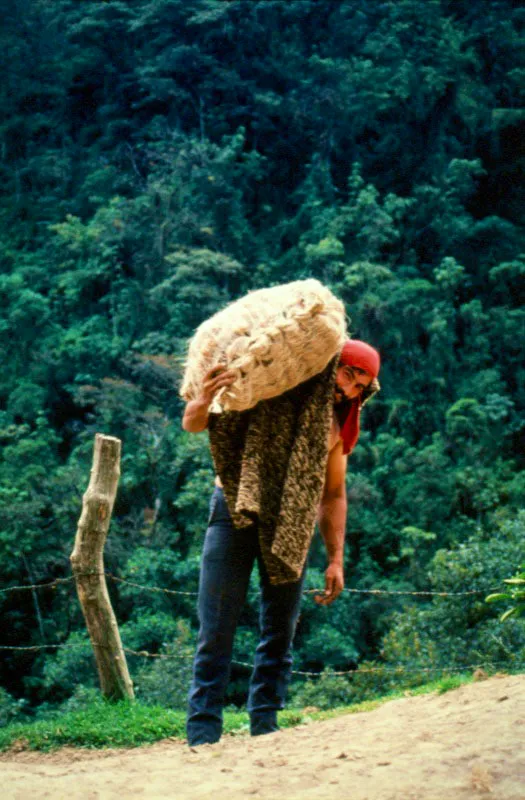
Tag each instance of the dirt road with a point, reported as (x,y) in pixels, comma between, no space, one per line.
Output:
(467,744)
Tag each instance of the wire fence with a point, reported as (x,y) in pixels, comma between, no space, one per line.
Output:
(382,669)
(159,589)
(358,670)
(34,586)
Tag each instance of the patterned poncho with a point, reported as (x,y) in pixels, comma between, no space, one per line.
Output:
(272,461)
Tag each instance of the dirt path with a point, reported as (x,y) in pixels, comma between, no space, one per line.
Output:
(467,744)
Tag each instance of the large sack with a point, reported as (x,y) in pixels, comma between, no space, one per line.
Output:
(274,339)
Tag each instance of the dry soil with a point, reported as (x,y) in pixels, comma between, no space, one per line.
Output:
(466,744)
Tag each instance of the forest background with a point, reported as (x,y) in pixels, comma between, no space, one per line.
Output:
(160,158)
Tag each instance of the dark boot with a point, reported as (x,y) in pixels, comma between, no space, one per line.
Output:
(263,722)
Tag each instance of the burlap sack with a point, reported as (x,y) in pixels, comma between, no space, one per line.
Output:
(274,339)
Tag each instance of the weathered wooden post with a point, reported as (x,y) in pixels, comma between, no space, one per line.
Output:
(87,561)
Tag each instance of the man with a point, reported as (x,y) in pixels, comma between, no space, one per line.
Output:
(229,554)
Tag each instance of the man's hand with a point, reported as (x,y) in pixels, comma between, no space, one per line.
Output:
(195,417)
(333,584)
(215,379)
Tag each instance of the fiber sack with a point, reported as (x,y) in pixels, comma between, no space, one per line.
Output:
(274,339)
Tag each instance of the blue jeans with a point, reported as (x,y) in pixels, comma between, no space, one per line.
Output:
(227,562)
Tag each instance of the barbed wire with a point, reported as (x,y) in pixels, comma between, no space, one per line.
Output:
(406,593)
(161,656)
(382,669)
(149,588)
(158,589)
(70,578)
(64,645)
(33,586)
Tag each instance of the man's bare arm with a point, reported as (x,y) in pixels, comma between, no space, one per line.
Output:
(195,417)
(332,523)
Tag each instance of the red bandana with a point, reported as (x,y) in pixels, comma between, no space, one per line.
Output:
(362,355)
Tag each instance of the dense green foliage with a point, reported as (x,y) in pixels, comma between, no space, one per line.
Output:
(515,593)
(162,157)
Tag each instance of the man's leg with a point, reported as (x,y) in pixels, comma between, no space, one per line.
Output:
(227,561)
(273,659)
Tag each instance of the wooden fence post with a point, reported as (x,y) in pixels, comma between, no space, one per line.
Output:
(87,561)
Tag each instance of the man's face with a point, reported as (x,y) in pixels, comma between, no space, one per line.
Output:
(349,383)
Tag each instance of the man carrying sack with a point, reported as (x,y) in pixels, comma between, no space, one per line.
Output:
(280,467)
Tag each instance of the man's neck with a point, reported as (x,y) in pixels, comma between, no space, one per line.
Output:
(341,411)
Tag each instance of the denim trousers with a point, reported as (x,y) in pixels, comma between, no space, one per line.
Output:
(228,558)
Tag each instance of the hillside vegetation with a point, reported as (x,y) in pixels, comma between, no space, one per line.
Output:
(160,158)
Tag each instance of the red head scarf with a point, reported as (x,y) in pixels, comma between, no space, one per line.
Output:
(362,355)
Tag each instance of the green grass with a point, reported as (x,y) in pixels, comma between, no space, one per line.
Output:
(100,725)
(103,724)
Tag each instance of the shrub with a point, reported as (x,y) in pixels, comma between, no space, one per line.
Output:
(11,710)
